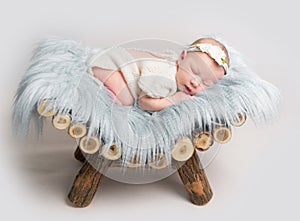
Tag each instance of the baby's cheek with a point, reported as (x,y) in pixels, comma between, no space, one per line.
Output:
(210,82)
(199,89)
(220,72)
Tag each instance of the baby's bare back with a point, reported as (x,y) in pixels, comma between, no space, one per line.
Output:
(116,83)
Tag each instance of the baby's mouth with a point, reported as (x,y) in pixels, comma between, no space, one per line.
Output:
(188,89)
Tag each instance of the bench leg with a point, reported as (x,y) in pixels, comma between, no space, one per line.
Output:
(78,155)
(195,181)
(86,182)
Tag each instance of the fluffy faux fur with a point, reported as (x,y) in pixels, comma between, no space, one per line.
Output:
(58,72)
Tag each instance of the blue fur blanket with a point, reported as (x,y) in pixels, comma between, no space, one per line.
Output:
(58,71)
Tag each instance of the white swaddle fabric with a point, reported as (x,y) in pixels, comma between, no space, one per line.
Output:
(158,78)
(154,76)
(118,59)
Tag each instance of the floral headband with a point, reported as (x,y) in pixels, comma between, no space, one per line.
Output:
(213,51)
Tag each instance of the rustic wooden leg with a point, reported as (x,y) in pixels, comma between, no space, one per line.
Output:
(86,182)
(78,155)
(195,181)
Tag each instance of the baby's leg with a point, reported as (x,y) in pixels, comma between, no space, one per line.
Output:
(116,83)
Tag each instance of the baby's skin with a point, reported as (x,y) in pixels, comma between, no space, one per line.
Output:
(195,72)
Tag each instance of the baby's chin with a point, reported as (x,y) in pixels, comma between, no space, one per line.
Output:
(180,88)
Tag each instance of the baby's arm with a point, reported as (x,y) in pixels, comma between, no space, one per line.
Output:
(157,104)
(152,104)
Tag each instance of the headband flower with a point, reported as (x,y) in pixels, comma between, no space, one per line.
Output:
(213,51)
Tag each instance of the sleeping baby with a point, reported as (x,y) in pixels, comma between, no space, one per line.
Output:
(156,81)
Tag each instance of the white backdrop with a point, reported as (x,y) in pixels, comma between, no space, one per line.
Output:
(255,176)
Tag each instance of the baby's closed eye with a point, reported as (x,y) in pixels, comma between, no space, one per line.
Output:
(197,78)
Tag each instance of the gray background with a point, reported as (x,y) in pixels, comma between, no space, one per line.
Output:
(255,176)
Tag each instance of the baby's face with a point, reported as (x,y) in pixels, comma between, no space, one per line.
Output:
(197,71)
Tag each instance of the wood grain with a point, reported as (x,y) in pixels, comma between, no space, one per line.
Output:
(87,181)
(195,181)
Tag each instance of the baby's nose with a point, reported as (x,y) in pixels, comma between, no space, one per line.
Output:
(194,83)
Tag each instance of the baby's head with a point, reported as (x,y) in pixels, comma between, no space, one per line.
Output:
(204,62)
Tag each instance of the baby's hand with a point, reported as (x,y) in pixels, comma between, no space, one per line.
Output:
(178,97)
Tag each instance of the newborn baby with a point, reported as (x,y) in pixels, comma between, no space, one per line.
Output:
(157,82)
